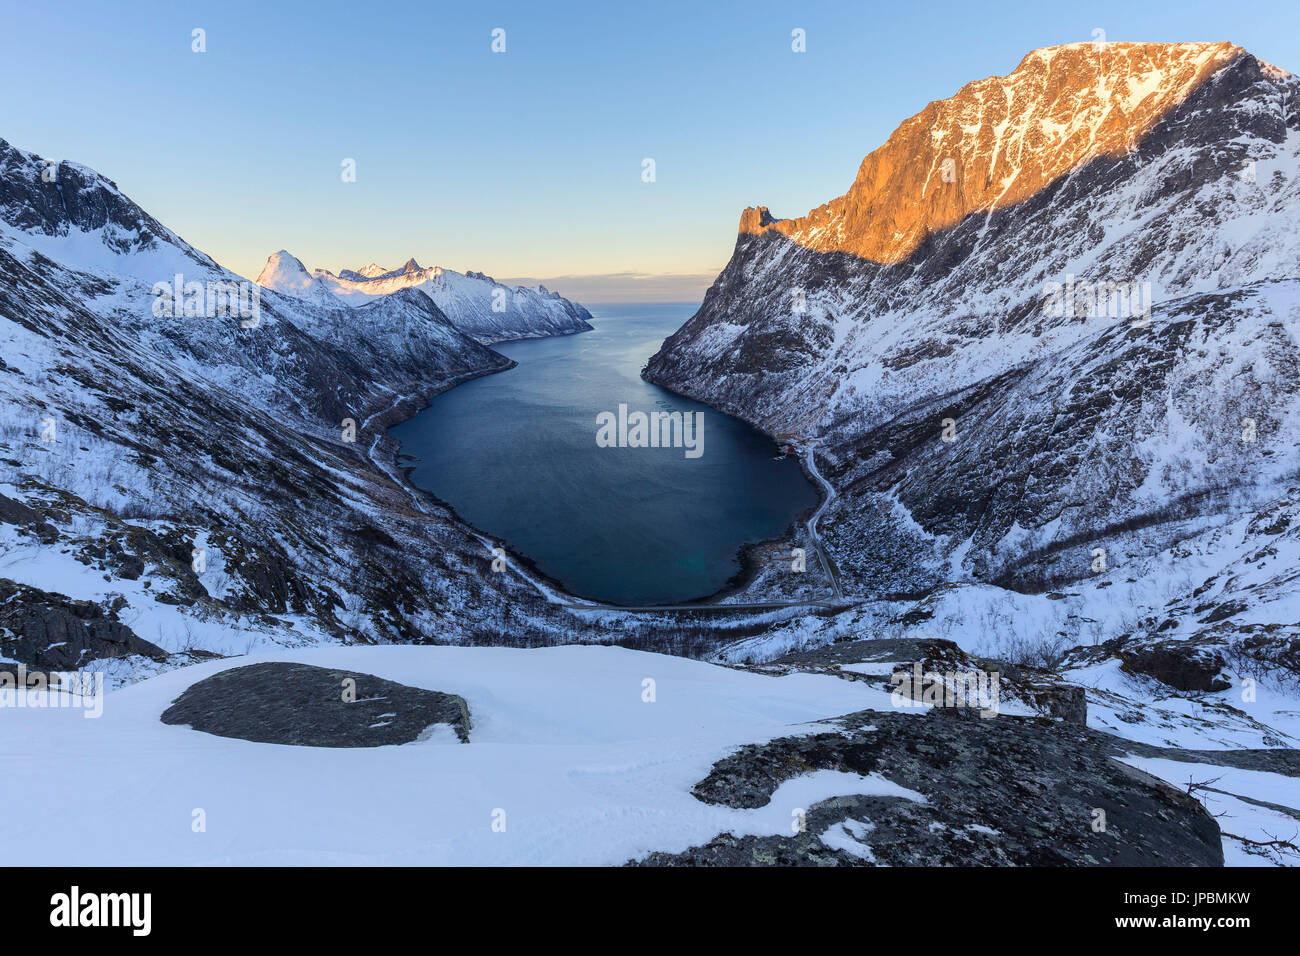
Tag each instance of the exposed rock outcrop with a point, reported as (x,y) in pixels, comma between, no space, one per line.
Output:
(1001,140)
(1000,791)
(307,706)
(52,632)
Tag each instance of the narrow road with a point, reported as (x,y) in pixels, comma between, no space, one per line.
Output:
(822,556)
(417,500)
(709,608)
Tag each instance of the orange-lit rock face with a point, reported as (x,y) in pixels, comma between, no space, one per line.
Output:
(1000,140)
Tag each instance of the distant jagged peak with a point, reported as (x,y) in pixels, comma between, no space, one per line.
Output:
(410,272)
(1000,140)
(284,272)
(282,263)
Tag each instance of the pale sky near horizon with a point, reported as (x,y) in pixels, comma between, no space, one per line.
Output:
(527,163)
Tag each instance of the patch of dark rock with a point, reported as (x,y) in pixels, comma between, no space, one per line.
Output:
(1037,688)
(130,567)
(54,632)
(916,615)
(308,706)
(1064,701)
(1037,784)
(371,535)
(887,650)
(1183,665)
(1224,611)
(16,513)
(21,675)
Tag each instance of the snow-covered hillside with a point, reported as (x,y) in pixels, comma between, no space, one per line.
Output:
(975,428)
(583,771)
(173,481)
(574,755)
(477,304)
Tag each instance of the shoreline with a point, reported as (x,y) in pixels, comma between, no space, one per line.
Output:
(748,566)
(745,553)
(407,407)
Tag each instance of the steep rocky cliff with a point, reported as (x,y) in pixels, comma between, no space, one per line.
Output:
(1054,312)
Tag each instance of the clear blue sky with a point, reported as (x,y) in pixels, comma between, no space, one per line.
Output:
(527,163)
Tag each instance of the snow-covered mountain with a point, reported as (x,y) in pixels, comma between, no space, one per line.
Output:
(477,304)
(178,478)
(286,274)
(1044,351)
(194,477)
(916,329)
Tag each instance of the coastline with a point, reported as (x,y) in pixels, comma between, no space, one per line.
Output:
(407,407)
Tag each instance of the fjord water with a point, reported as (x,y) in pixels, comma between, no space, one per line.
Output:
(515,454)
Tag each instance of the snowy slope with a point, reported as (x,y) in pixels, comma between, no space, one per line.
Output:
(586,772)
(570,761)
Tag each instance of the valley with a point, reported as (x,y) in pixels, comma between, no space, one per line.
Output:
(396,475)
(519,456)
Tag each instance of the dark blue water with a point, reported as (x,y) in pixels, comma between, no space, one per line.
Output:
(516,455)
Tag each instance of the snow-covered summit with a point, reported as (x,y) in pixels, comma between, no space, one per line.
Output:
(1000,140)
(285,273)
